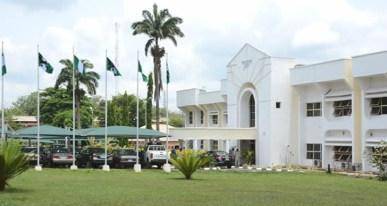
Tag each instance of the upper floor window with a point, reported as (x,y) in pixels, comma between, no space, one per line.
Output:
(379,106)
(225,118)
(342,108)
(214,119)
(252,111)
(201,117)
(190,117)
(313,109)
(313,151)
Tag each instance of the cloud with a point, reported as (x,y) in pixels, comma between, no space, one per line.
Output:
(55,5)
(315,35)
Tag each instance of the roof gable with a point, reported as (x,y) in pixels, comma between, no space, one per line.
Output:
(246,55)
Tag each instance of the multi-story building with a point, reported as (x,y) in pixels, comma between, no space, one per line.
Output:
(329,113)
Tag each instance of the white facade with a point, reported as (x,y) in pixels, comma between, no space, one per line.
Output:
(315,114)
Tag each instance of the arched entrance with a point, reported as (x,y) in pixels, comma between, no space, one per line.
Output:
(247,119)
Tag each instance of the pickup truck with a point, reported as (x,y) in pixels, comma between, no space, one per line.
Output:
(155,155)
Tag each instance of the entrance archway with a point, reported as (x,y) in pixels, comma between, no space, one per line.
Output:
(248,119)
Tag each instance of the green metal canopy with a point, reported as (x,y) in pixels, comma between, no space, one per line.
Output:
(46,131)
(121,131)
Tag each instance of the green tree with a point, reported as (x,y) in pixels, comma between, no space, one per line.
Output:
(158,25)
(379,159)
(88,79)
(149,102)
(56,108)
(122,111)
(26,105)
(176,119)
(188,161)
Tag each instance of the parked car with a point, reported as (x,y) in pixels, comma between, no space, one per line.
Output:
(61,156)
(32,155)
(124,158)
(220,158)
(155,155)
(93,157)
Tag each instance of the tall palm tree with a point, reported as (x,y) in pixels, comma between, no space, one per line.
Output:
(158,25)
(89,80)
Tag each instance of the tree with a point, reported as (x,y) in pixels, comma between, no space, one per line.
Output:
(88,79)
(149,102)
(26,105)
(122,111)
(56,108)
(158,25)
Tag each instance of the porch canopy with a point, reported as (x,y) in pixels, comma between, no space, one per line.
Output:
(219,133)
(51,132)
(46,131)
(121,131)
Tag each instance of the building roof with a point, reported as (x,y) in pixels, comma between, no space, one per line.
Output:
(24,118)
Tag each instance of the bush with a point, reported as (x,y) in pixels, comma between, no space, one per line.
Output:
(12,162)
(188,161)
(379,159)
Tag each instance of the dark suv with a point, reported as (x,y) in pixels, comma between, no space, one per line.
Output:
(93,157)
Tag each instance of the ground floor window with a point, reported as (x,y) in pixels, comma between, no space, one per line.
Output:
(201,144)
(342,153)
(313,151)
(214,145)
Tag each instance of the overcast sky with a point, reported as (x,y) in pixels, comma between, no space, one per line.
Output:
(309,31)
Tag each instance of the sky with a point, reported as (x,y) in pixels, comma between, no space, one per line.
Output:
(309,31)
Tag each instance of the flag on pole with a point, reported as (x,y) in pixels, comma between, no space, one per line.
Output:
(3,67)
(168,76)
(111,67)
(144,77)
(43,63)
(79,65)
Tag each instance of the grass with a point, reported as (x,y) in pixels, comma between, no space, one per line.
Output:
(153,187)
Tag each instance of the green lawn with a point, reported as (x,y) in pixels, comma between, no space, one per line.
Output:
(153,187)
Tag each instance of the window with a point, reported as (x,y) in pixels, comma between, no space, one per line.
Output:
(313,109)
(252,111)
(201,117)
(342,153)
(313,151)
(214,145)
(379,106)
(201,144)
(190,117)
(214,119)
(342,108)
(225,118)
(278,105)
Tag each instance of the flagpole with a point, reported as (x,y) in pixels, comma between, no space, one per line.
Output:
(2,96)
(38,167)
(137,167)
(106,166)
(73,167)
(167,166)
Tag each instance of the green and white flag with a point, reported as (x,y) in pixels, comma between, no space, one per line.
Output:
(79,65)
(43,63)
(111,67)
(3,67)
(144,77)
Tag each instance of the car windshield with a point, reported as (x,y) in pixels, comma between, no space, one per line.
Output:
(127,152)
(97,150)
(157,148)
(60,150)
(28,149)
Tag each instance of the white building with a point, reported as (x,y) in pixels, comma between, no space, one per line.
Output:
(325,113)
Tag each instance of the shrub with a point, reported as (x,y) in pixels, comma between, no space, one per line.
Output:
(188,161)
(12,162)
(379,159)
(249,157)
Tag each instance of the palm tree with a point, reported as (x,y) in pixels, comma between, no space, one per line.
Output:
(158,25)
(89,79)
